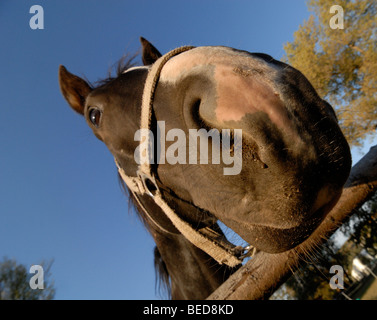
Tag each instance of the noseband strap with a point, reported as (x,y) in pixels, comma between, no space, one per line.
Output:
(206,239)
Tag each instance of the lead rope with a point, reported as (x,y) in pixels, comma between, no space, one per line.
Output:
(145,183)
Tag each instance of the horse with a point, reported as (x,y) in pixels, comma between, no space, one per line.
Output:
(292,157)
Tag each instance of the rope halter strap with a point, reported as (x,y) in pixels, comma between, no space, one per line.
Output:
(208,240)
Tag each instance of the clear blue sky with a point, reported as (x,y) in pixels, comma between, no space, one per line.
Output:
(59,194)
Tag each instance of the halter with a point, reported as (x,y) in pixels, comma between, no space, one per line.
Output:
(207,239)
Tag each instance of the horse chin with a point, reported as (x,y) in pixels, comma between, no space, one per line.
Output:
(274,240)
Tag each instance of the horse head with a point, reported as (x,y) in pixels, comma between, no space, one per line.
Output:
(293,158)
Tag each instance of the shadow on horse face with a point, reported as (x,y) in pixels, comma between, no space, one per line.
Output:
(295,158)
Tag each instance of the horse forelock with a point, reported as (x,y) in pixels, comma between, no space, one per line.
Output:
(124,64)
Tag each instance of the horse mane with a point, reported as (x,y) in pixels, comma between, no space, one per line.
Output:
(163,285)
(125,62)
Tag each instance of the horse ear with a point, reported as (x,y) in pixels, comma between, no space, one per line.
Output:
(74,89)
(150,54)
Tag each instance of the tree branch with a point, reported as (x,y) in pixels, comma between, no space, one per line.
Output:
(264,273)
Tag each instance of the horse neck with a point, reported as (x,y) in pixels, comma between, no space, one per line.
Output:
(193,274)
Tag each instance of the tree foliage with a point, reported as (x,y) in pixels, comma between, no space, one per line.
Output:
(364,227)
(14,282)
(341,63)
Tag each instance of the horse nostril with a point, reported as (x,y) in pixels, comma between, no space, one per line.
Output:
(196,105)
(195,111)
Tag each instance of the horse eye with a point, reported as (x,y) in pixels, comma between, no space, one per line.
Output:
(95,116)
